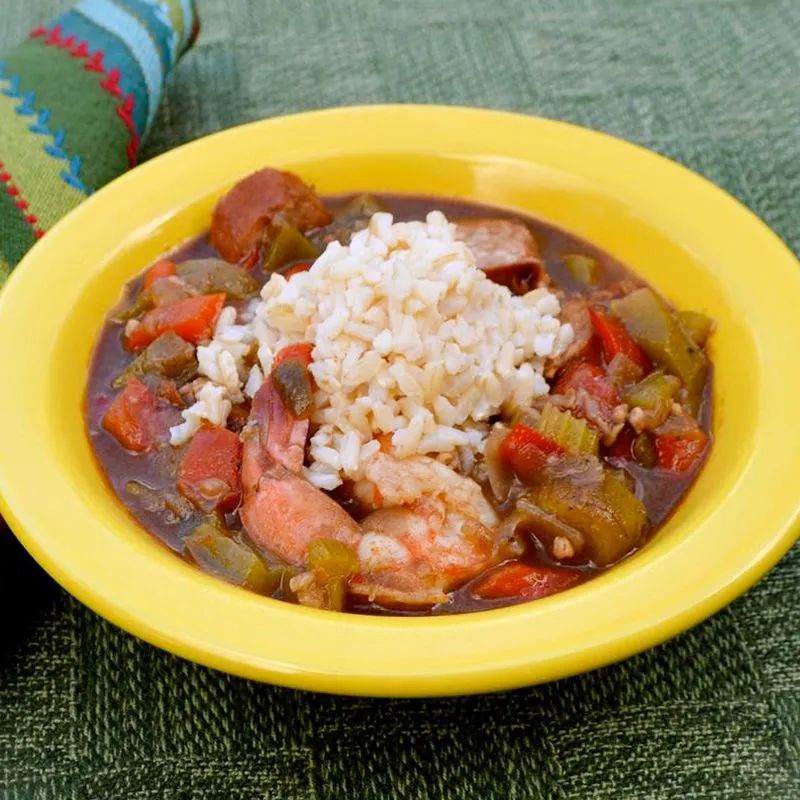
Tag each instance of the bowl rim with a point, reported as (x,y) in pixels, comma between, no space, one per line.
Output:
(435,675)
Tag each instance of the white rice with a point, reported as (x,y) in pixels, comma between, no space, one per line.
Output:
(411,341)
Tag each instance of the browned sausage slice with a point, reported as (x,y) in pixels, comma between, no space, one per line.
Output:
(245,212)
(501,246)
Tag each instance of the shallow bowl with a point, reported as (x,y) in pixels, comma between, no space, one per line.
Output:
(697,245)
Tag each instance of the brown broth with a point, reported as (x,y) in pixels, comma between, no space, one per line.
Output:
(660,491)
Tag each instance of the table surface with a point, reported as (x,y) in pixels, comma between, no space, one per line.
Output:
(87,711)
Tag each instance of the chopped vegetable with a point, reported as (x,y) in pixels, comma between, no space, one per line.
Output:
(497,468)
(300,351)
(622,371)
(169,355)
(616,339)
(286,592)
(589,377)
(332,558)
(680,453)
(287,244)
(574,435)
(212,275)
(644,450)
(664,339)
(697,325)
(161,269)
(353,216)
(209,471)
(134,419)
(193,319)
(526,450)
(234,562)
(548,528)
(361,207)
(129,310)
(610,517)
(293,383)
(297,268)
(524,581)
(526,416)
(651,401)
(584,270)
(653,391)
(334,594)
(333,563)
(169,290)
(680,443)
(624,477)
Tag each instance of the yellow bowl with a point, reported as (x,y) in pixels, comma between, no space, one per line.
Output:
(696,244)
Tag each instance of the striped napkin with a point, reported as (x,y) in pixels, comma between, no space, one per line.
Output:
(76,99)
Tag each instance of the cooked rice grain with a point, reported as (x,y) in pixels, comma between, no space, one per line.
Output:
(411,340)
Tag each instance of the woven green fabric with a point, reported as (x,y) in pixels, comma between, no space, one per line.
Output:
(87,711)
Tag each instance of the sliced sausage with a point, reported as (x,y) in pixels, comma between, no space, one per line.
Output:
(242,216)
(505,249)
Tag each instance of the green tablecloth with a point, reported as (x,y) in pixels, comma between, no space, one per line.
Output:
(86,711)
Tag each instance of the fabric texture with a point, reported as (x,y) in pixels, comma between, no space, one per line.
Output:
(87,711)
(76,98)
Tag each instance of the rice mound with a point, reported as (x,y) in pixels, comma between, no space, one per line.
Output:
(411,339)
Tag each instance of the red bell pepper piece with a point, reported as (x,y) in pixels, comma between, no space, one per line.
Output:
(591,352)
(524,582)
(193,319)
(616,339)
(301,351)
(134,418)
(681,452)
(161,269)
(209,471)
(525,450)
(295,269)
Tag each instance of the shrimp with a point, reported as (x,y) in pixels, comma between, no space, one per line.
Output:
(427,531)
(431,529)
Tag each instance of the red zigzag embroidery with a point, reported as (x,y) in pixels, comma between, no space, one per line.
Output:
(93,62)
(19,201)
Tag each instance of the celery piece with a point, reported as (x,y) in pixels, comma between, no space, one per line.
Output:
(653,391)
(583,269)
(610,517)
(575,435)
(332,557)
(234,562)
(657,330)
(697,325)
